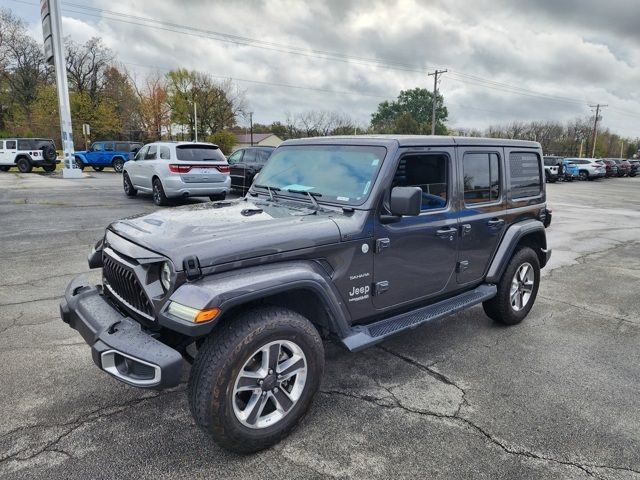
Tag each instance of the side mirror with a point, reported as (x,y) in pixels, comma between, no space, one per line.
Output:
(405,201)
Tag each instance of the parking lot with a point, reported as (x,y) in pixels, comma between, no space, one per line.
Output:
(554,397)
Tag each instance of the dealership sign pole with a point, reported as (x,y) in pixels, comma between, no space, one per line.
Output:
(54,54)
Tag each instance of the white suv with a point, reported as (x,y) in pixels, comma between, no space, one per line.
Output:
(589,168)
(26,153)
(178,170)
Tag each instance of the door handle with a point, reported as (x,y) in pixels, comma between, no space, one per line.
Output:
(447,233)
(496,222)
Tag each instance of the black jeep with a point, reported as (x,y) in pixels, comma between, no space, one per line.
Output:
(352,238)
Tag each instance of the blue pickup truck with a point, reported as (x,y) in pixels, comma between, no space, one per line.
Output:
(107,153)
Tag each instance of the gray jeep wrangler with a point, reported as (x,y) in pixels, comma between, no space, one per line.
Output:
(350,238)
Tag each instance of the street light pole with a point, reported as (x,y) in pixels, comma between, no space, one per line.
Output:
(251,126)
(195,118)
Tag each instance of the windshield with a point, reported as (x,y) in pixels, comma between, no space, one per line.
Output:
(343,174)
(199,153)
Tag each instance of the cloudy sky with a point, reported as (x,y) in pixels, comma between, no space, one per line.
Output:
(507,59)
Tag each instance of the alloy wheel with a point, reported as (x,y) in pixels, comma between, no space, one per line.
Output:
(269,384)
(522,286)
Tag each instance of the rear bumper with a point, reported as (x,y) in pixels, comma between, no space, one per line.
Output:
(175,187)
(38,162)
(119,345)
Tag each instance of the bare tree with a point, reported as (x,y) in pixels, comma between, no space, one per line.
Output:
(86,65)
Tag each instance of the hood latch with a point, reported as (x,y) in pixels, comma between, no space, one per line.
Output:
(191,266)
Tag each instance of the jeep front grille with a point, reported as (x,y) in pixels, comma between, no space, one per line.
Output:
(125,287)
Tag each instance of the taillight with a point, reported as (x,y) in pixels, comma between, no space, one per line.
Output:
(179,168)
(223,168)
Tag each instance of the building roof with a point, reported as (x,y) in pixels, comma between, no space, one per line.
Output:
(257,137)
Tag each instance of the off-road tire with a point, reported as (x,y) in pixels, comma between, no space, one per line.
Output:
(128,187)
(499,307)
(49,168)
(118,165)
(159,198)
(218,197)
(98,169)
(5,168)
(219,361)
(24,165)
(79,163)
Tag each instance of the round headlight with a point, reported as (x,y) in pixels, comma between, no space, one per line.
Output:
(165,275)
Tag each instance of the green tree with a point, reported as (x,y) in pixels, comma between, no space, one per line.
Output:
(224,139)
(410,113)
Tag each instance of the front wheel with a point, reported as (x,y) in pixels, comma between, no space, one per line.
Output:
(254,379)
(118,165)
(583,175)
(24,165)
(517,289)
(79,163)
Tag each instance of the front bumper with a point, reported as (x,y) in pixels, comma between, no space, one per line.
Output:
(119,345)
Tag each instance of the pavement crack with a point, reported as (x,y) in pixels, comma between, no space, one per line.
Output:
(73,425)
(41,279)
(590,310)
(55,297)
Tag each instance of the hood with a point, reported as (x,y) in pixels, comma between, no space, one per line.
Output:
(224,232)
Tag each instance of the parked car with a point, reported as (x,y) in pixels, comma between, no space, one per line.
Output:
(635,167)
(358,237)
(624,167)
(571,172)
(611,167)
(109,153)
(589,168)
(177,170)
(245,163)
(26,153)
(553,168)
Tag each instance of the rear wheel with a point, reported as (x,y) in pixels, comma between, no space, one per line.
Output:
(217,197)
(159,198)
(583,175)
(129,190)
(4,168)
(118,165)
(517,289)
(24,165)
(255,378)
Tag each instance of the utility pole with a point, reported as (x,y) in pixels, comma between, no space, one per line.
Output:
(595,127)
(251,126)
(195,118)
(434,99)
(54,55)
(621,148)
(581,145)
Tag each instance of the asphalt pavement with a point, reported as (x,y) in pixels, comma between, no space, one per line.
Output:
(557,396)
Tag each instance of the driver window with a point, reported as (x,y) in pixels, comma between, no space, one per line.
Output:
(430,173)
(151,153)
(234,157)
(97,147)
(141,153)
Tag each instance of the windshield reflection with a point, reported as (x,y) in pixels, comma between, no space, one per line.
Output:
(341,174)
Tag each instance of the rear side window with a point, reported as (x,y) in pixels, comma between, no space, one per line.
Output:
(11,144)
(108,147)
(249,156)
(165,153)
(263,155)
(199,153)
(481,177)
(122,147)
(25,144)
(524,169)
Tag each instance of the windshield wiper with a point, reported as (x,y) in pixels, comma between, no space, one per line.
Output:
(269,189)
(311,195)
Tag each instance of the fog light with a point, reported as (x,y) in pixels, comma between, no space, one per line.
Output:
(192,314)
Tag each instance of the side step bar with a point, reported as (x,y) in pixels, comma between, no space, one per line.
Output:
(363,336)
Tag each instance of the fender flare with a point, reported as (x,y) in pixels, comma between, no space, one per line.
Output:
(81,157)
(234,288)
(115,157)
(510,240)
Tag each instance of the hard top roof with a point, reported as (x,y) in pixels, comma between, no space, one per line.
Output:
(413,140)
